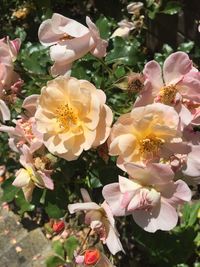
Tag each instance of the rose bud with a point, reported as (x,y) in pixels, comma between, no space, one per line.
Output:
(91,256)
(58,226)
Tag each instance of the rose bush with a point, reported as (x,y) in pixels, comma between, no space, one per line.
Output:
(106,121)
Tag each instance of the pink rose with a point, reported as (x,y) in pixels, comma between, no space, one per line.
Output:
(69,41)
(150,195)
(30,176)
(100,219)
(175,85)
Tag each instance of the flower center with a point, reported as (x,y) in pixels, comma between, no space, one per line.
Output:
(30,173)
(167,94)
(150,145)
(66,37)
(148,199)
(66,116)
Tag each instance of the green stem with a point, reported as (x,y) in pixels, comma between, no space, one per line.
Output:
(109,70)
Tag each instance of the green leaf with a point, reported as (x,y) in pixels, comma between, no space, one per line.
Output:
(190,214)
(35,58)
(54,261)
(54,211)
(167,49)
(95,182)
(55,202)
(20,32)
(104,25)
(58,248)
(120,72)
(23,204)
(9,190)
(186,47)
(172,8)
(123,52)
(70,245)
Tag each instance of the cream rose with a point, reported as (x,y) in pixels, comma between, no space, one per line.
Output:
(147,134)
(72,116)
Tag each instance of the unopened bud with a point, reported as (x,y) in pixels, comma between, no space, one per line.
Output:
(58,226)
(91,256)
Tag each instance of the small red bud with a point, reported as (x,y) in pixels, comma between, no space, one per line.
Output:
(58,226)
(91,256)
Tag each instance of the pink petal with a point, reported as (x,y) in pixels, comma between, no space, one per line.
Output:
(26,157)
(86,197)
(82,206)
(175,148)
(52,30)
(153,75)
(193,162)
(112,241)
(99,49)
(175,66)
(30,104)
(184,113)
(48,183)
(163,217)
(113,197)
(189,86)
(183,192)
(4,111)
(145,97)
(152,173)
(127,185)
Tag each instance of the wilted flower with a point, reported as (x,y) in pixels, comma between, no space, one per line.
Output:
(150,195)
(146,134)
(124,29)
(25,131)
(134,8)
(100,219)
(72,116)
(29,177)
(69,41)
(135,82)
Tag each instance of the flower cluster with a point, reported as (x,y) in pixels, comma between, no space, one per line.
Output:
(155,143)
(10,82)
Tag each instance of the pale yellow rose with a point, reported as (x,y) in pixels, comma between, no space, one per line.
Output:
(145,134)
(72,116)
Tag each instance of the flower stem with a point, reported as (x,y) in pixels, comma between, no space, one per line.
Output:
(84,241)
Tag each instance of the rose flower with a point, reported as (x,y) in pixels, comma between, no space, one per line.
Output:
(72,116)
(147,134)
(150,195)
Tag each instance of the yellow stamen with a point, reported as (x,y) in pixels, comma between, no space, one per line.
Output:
(66,37)
(150,145)
(167,94)
(66,116)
